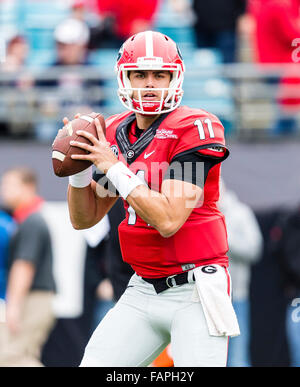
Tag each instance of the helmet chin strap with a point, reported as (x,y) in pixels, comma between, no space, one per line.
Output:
(145,107)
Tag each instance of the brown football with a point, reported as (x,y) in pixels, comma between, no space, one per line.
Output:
(63,164)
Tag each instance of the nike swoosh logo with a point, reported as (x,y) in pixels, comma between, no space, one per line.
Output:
(148,155)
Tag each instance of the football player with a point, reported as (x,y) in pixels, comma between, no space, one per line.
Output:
(164,161)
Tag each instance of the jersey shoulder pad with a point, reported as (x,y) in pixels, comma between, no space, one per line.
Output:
(197,130)
(113,122)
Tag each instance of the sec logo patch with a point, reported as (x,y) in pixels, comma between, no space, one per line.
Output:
(209,269)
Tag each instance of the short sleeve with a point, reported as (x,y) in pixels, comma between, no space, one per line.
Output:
(192,168)
(200,132)
(31,236)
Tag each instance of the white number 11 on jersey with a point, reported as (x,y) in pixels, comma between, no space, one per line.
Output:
(200,127)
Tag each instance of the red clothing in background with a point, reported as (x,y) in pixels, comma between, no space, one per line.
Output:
(253,6)
(21,213)
(289,92)
(277,25)
(130,15)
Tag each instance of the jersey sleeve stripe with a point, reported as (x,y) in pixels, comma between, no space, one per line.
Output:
(206,150)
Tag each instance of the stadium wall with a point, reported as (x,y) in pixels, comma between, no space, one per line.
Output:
(261,174)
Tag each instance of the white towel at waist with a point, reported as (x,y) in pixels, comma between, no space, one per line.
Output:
(213,286)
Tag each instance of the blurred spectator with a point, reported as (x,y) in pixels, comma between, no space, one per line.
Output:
(17,50)
(245,247)
(66,343)
(277,25)
(7,226)
(252,12)
(78,9)
(18,79)
(71,37)
(286,248)
(30,287)
(106,274)
(102,34)
(268,304)
(126,18)
(72,90)
(100,276)
(277,32)
(16,53)
(216,25)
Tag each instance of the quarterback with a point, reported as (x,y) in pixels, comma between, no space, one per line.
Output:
(164,160)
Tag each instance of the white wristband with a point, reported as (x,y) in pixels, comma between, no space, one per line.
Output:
(123,179)
(81,179)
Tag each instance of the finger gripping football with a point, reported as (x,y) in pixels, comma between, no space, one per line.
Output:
(63,164)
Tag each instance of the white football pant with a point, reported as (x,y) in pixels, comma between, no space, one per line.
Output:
(142,323)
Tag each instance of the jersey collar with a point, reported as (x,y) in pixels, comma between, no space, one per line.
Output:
(132,151)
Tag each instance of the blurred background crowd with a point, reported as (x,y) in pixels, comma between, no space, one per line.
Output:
(57,59)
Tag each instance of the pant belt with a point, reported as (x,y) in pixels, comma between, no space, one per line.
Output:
(164,283)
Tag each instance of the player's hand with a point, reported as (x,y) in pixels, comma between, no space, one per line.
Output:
(100,153)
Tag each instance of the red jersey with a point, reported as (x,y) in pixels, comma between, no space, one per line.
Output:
(127,13)
(276,28)
(202,239)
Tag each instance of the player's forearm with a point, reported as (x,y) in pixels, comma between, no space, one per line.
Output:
(81,199)
(155,209)
(87,207)
(82,206)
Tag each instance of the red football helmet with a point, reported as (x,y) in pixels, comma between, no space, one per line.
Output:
(150,50)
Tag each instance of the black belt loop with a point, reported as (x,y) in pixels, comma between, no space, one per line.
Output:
(164,283)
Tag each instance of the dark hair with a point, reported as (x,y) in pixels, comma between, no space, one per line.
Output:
(27,175)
